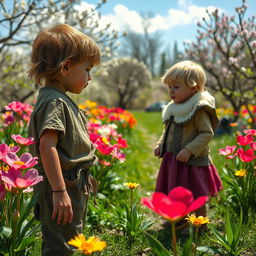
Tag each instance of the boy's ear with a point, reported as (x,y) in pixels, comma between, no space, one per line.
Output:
(65,67)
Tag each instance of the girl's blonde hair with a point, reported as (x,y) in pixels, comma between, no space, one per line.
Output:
(187,72)
(55,45)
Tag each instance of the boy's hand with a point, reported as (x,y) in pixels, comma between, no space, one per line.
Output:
(183,155)
(62,208)
(157,150)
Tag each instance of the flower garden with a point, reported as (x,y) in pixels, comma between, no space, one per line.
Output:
(126,217)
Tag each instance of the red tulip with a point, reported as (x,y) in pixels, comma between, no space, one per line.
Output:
(244,140)
(246,155)
(176,205)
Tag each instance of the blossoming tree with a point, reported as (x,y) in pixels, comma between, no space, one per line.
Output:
(226,48)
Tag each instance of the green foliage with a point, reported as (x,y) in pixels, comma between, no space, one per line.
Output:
(157,246)
(133,222)
(231,241)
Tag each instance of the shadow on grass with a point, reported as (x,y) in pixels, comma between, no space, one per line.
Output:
(163,234)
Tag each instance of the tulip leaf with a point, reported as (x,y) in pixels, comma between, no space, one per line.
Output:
(26,242)
(157,246)
(220,238)
(229,229)
(187,249)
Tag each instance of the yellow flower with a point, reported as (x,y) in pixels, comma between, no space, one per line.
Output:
(131,185)
(197,221)
(89,246)
(240,173)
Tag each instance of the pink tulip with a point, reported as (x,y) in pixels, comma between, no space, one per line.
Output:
(253,145)
(227,151)
(4,149)
(244,140)
(118,155)
(250,132)
(25,161)
(23,141)
(246,155)
(15,179)
(176,205)
(105,163)
(15,106)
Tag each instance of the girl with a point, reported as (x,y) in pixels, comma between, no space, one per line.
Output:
(61,60)
(190,120)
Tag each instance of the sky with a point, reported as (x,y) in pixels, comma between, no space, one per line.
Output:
(174,19)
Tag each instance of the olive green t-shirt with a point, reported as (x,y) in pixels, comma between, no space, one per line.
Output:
(56,111)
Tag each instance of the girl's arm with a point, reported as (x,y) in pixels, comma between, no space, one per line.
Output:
(205,133)
(62,207)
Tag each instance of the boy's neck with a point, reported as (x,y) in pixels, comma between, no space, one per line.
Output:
(56,85)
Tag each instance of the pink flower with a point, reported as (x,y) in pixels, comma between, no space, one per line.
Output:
(227,151)
(176,205)
(25,161)
(250,132)
(253,145)
(118,155)
(4,149)
(246,155)
(15,179)
(121,143)
(105,163)
(23,141)
(15,106)
(244,140)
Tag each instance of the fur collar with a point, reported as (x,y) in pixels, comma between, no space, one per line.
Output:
(184,111)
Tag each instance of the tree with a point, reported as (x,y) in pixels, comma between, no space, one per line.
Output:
(124,78)
(226,48)
(144,46)
(20,21)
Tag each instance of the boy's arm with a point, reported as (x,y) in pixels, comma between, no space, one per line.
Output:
(62,207)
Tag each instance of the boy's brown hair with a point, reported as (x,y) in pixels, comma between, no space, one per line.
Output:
(55,45)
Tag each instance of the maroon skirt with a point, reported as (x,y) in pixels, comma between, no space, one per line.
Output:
(200,180)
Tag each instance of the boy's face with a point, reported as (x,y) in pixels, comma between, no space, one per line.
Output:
(77,76)
(179,92)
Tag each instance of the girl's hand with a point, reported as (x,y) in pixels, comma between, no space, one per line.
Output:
(157,150)
(62,208)
(183,155)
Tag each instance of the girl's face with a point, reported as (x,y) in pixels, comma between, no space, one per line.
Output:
(77,77)
(180,92)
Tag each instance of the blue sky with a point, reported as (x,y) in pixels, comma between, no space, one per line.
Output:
(175,19)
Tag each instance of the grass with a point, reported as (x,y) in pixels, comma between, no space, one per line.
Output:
(142,167)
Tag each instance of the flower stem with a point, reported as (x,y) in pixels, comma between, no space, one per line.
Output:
(174,247)
(196,239)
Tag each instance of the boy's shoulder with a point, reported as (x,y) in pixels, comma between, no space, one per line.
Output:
(49,95)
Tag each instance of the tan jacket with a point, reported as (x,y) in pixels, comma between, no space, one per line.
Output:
(193,134)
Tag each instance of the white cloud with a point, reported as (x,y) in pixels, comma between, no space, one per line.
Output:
(186,13)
